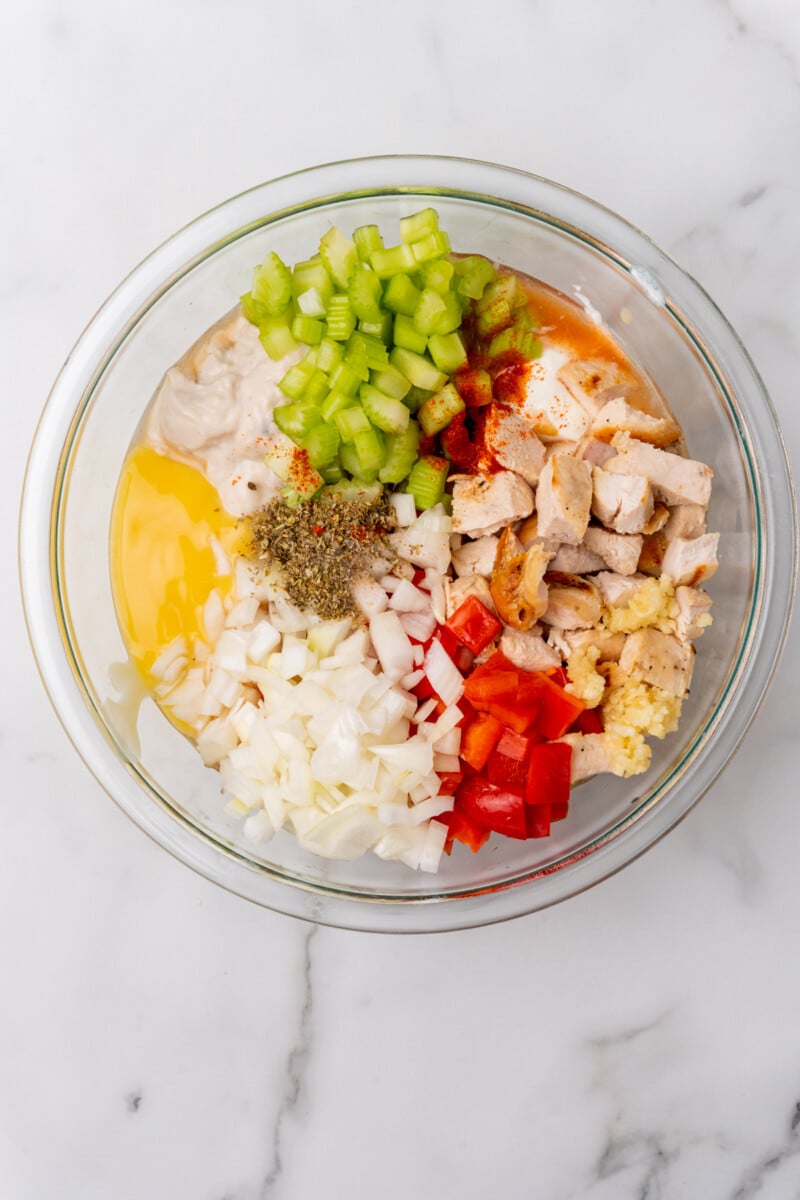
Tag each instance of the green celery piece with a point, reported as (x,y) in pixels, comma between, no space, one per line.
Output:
(317,388)
(307,329)
(339,256)
(494,317)
(311,276)
(401,454)
(401,295)
(294,382)
(321,444)
(370,450)
(296,420)
(272,284)
(515,342)
(427,479)
(367,238)
(419,225)
(377,354)
(474,387)
(505,287)
(361,491)
(292,498)
(450,319)
(279,460)
(252,309)
(355,357)
(332,473)
(407,336)
(346,379)
(430,307)
(474,273)
(434,245)
(329,355)
(438,275)
(395,260)
(303,478)
(364,293)
(341,319)
(333,403)
(276,337)
(438,410)
(447,351)
(421,371)
(380,329)
(416,398)
(310,303)
(350,421)
(349,459)
(385,412)
(391,381)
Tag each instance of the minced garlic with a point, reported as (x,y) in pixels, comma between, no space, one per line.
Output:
(652,604)
(585,681)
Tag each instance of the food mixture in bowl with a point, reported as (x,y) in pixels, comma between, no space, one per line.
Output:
(408,547)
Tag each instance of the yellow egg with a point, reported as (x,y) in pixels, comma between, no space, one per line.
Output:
(163,566)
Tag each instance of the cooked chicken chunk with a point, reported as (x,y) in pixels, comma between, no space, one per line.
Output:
(552,409)
(457,590)
(622,502)
(686,520)
(577,560)
(693,615)
(528,651)
(593,382)
(691,560)
(619,551)
(572,602)
(563,499)
(674,479)
(660,515)
(528,533)
(615,589)
(654,546)
(509,438)
(483,504)
(517,583)
(476,558)
(589,755)
(608,644)
(660,659)
(595,452)
(618,416)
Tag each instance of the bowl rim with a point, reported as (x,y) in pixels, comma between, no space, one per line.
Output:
(660,278)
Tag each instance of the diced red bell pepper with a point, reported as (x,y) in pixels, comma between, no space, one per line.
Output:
(559,709)
(462,829)
(457,445)
(474,625)
(423,690)
(588,722)
(481,690)
(505,772)
(479,739)
(511,695)
(558,675)
(495,808)
(461,655)
(449,782)
(495,662)
(548,782)
(537,820)
(514,745)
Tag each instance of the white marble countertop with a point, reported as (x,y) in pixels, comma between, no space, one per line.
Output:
(161,1038)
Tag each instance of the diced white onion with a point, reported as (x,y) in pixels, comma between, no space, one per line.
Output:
(391,644)
(410,681)
(443,674)
(369,596)
(446,764)
(418,625)
(405,511)
(407,598)
(425,709)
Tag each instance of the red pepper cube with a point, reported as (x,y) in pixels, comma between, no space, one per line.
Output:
(450,782)
(588,722)
(537,820)
(549,776)
(514,745)
(558,675)
(474,625)
(492,807)
(559,709)
(505,772)
(461,655)
(479,740)
(461,829)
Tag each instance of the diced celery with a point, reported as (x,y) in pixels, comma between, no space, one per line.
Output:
(307,329)
(367,238)
(515,342)
(391,381)
(416,398)
(401,453)
(317,388)
(293,384)
(349,459)
(377,354)
(447,351)
(292,498)
(296,420)
(333,403)
(427,479)
(401,295)
(364,293)
(393,261)
(429,308)
(341,320)
(272,284)
(355,357)
(380,329)
(438,410)
(494,317)
(407,336)
(329,355)
(474,387)
(279,459)
(253,309)
(434,245)
(370,450)
(339,255)
(345,379)
(419,370)
(474,273)
(276,337)
(505,287)
(437,274)
(311,276)
(350,421)
(332,473)
(321,444)
(351,489)
(450,319)
(385,412)
(419,225)
(303,477)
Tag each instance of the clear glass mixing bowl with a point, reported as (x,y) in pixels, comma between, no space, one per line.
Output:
(663,320)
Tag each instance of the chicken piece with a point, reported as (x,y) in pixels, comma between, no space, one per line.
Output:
(457,590)
(659,659)
(483,504)
(654,546)
(687,521)
(615,589)
(619,551)
(595,452)
(517,583)
(589,755)
(572,602)
(513,443)
(608,644)
(550,408)
(623,503)
(618,416)
(691,560)
(674,479)
(564,498)
(577,560)
(528,534)
(528,651)
(476,558)
(593,382)
(660,515)
(693,615)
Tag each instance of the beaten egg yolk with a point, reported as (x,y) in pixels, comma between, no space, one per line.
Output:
(163,567)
